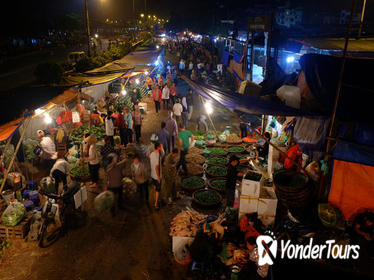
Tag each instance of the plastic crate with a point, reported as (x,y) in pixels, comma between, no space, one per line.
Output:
(17,232)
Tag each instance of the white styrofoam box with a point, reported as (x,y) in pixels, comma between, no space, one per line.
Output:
(180,242)
(267,205)
(251,188)
(143,105)
(247,204)
(273,157)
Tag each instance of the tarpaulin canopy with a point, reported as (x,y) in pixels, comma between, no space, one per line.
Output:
(243,103)
(352,152)
(357,94)
(137,61)
(352,188)
(8,129)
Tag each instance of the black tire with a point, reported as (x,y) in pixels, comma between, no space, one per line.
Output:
(46,239)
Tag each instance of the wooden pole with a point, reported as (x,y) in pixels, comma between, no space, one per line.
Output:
(26,124)
(88,27)
(362,19)
(340,81)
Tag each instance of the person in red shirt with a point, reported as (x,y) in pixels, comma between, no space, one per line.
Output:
(157,97)
(173,94)
(121,127)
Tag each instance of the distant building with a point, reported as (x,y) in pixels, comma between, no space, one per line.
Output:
(289,17)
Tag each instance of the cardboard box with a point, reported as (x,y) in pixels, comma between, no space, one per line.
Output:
(251,188)
(267,205)
(247,204)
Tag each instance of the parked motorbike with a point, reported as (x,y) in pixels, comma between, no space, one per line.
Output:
(54,215)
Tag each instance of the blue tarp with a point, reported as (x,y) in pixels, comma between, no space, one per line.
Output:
(237,57)
(225,58)
(243,103)
(351,152)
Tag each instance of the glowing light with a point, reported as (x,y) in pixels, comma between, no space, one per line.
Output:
(123,92)
(163,39)
(146,73)
(157,63)
(157,47)
(149,16)
(142,15)
(47,118)
(137,81)
(208,107)
(290,59)
(96,35)
(39,111)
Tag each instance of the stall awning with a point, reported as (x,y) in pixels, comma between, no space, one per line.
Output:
(243,103)
(8,129)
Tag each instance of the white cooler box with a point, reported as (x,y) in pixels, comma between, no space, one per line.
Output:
(267,206)
(251,188)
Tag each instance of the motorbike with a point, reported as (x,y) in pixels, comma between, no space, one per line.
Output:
(54,214)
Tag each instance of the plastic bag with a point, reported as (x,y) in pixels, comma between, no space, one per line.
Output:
(104,201)
(47,185)
(13,214)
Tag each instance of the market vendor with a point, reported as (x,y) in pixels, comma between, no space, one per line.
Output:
(48,152)
(60,170)
(202,124)
(263,150)
(227,131)
(232,173)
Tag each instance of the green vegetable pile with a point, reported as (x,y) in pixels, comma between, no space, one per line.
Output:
(217,160)
(207,196)
(217,151)
(216,170)
(235,149)
(3,245)
(76,137)
(199,135)
(219,184)
(29,152)
(193,182)
(80,171)
(253,176)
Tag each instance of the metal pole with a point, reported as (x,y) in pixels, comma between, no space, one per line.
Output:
(341,74)
(362,18)
(88,28)
(252,55)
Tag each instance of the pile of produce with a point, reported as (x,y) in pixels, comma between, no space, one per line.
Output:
(218,184)
(80,172)
(217,160)
(216,170)
(235,149)
(194,158)
(207,197)
(253,176)
(194,169)
(76,137)
(186,223)
(195,150)
(217,152)
(193,183)
(6,154)
(4,244)
(29,147)
(199,135)
(200,144)
(233,138)
(104,201)
(13,214)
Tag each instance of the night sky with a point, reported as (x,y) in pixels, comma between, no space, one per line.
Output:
(33,16)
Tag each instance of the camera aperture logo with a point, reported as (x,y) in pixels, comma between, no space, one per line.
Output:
(268,247)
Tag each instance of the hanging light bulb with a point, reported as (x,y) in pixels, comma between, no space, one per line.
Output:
(208,107)
(124,92)
(137,81)
(47,118)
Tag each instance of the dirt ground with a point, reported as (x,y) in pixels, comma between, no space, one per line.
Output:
(133,245)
